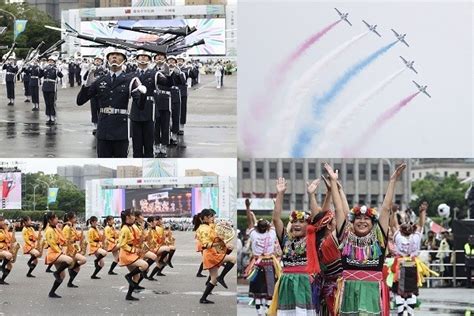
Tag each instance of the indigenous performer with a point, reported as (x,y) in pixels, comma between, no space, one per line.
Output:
(130,251)
(111,239)
(33,245)
(10,78)
(50,76)
(113,91)
(55,255)
(363,240)
(95,240)
(74,246)
(146,254)
(214,253)
(5,250)
(323,249)
(292,293)
(156,242)
(264,268)
(408,270)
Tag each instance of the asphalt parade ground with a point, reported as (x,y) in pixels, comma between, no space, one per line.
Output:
(434,301)
(177,293)
(210,130)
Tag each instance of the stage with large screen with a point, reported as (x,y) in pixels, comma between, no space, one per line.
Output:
(211,30)
(11,190)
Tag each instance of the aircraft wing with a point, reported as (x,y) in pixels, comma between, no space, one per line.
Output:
(404,60)
(368,25)
(427,93)
(339,12)
(404,42)
(375,31)
(348,21)
(417,85)
(395,32)
(413,68)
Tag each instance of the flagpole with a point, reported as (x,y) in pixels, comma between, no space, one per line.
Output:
(47,194)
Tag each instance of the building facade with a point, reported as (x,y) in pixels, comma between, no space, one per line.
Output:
(364,180)
(462,168)
(80,174)
(199,173)
(129,172)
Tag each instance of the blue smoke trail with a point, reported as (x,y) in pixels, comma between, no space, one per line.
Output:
(306,133)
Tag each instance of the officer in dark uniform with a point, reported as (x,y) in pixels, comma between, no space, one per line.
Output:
(99,70)
(142,114)
(178,79)
(113,91)
(11,69)
(71,72)
(34,72)
(50,75)
(77,71)
(26,83)
(162,108)
(186,69)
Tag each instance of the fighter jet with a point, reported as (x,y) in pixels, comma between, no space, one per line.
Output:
(343,16)
(400,37)
(372,28)
(421,88)
(409,64)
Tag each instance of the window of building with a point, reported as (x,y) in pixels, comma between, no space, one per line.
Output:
(299,170)
(457,173)
(259,169)
(350,199)
(286,201)
(398,199)
(373,171)
(286,170)
(362,198)
(246,169)
(312,171)
(350,171)
(445,173)
(373,202)
(299,201)
(273,170)
(386,172)
(337,166)
(468,174)
(362,170)
(246,195)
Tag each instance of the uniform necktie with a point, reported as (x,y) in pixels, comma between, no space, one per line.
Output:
(114,76)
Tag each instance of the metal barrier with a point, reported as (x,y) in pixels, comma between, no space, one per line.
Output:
(453,264)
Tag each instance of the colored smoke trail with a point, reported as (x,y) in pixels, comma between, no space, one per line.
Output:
(301,89)
(262,103)
(345,119)
(320,104)
(285,66)
(379,123)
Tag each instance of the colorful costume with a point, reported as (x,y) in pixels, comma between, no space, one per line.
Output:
(213,254)
(29,238)
(71,236)
(128,243)
(54,239)
(94,238)
(111,236)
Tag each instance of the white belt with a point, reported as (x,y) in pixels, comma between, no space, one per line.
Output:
(110,110)
(11,73)
(52,80)
(34,77)
(150,98)
(164,92)
(174,87)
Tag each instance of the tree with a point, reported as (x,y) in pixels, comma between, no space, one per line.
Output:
(436,190)
(35,31)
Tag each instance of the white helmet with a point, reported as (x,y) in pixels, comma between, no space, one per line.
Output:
(183,57)
(77,55)
(172,57)
(115,50)
(142,52)
(53,58)
(12,56)
(99,56)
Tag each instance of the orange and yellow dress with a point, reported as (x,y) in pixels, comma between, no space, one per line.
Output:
(111,234)
(128,244)
(213,255)
(5,240)
(169,238)
(29,238)
(54,239)
(71,236)
(94,238)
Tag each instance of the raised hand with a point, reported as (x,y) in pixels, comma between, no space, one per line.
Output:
(281,185)
(247,203)
(313,186)
(398,172)
(333,175)
(423,207)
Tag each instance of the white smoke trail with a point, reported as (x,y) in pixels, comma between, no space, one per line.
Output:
(296,103)
(331,135)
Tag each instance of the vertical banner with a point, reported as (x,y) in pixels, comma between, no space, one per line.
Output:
(10,183)
(52,195)
(20,26)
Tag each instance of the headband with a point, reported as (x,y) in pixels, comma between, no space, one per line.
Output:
(363,210)
(299,215)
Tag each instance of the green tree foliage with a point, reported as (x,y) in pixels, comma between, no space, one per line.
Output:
(436,190)
(70,198)
(35,31)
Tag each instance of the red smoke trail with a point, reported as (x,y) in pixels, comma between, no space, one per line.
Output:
(381,120)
